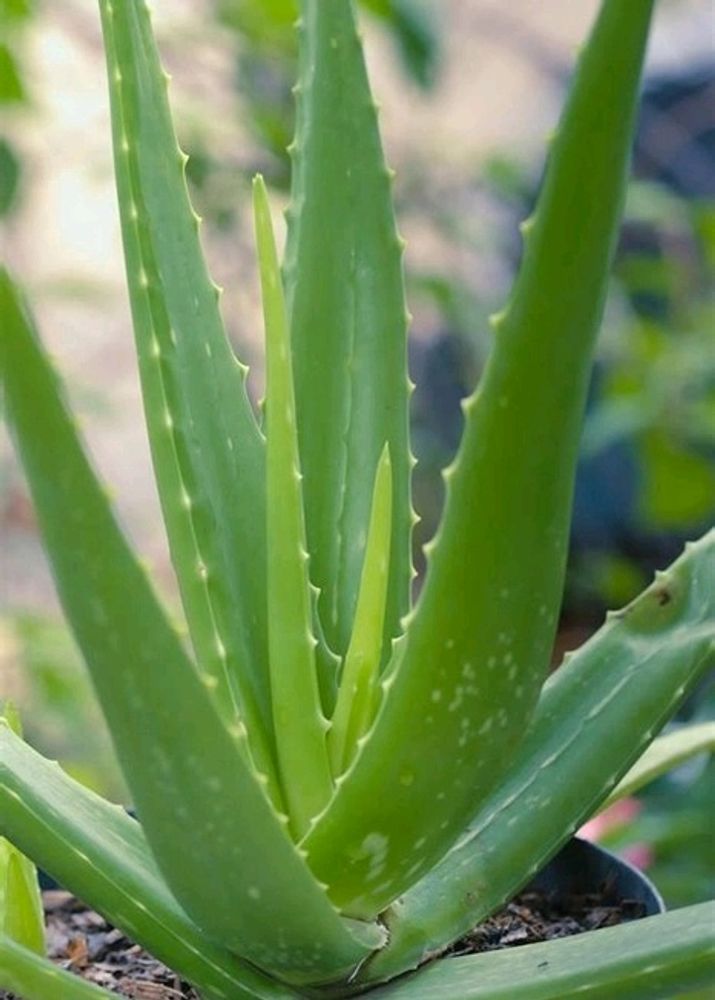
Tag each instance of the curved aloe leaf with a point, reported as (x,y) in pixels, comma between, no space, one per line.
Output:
(191,778)
(345,293)
(477,648)
(658,957)
(595,717)
(208,452)
(98,852)
(34,978)
(299,724)
(662,756)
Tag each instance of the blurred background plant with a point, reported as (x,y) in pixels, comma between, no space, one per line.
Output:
(469,89)
(15,19)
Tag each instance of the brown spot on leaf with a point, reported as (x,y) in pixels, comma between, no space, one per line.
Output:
(663,596)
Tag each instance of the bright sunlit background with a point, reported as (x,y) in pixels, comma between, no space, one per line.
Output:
(470,91)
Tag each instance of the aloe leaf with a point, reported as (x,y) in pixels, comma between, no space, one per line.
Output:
(205,805)
(477,647)
(299,724)
(100,853)
(207,450)
(344,285)
(359,681)
(662,756)
(31,977)
(21,913)
(596,715)
(657,957)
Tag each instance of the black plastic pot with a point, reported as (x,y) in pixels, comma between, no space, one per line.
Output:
(581,867)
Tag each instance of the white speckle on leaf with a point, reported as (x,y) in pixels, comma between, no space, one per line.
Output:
(374,849)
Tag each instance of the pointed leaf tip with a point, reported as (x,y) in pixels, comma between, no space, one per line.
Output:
(358,687)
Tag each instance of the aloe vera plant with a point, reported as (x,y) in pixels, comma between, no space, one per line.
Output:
(334,783)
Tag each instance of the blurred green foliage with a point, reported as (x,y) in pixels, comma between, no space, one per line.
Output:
(10,170)
(15,16)
(60,713)
(11,86)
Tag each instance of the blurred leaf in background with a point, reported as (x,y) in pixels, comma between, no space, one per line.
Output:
(10,171)
(15,16)
(15,10)
(12,89)
(676,822)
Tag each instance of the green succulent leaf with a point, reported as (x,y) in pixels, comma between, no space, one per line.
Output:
(595,716)
(359,690)
(649,959)
(99,852)
(34,978)
(299,724)
(21,913)
(190,776)
(207,449)
(476,650)
(345,293)
(662,756)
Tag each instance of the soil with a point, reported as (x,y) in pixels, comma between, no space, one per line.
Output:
(535,916)
(80,940)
